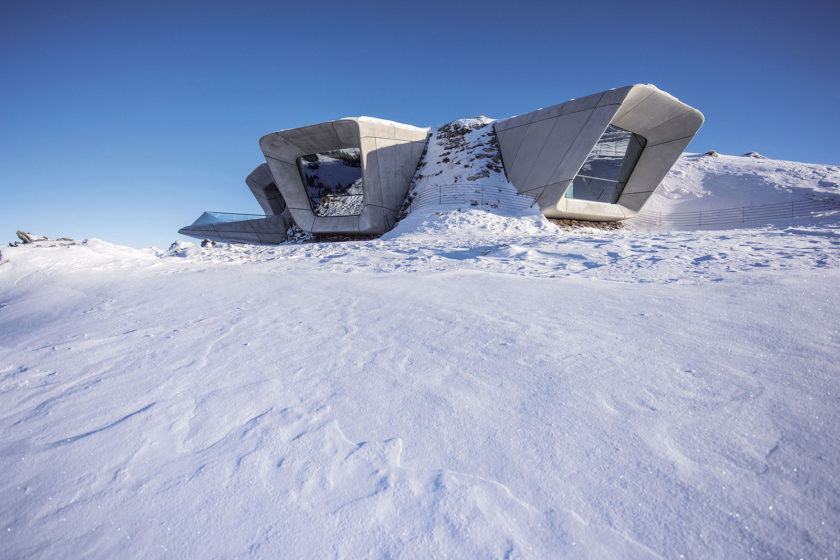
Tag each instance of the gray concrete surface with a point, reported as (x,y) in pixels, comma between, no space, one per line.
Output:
(266,192)
(542,151)
(260,231)
(390,152)
(269,230)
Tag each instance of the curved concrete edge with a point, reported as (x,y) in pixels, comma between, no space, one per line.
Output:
(262,186)
(262,231)
(389,152)
(543,151)
(569,208)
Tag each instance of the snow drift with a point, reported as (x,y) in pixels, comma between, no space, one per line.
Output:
(476,383)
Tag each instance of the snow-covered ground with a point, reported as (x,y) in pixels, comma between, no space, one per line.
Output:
(472,384)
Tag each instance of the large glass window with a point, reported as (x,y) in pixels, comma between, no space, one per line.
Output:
(608,167)
(334,181)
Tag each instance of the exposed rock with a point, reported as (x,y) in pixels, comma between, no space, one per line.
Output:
(25,237)
(575,224)
(755,155)
(208,243)
(712,153)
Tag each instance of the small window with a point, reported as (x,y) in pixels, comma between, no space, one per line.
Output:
(608,167)
(333,181)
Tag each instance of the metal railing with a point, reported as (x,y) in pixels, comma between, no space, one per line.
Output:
(470,195)
(740,215)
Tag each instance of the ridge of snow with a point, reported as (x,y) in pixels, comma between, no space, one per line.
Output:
(472,384)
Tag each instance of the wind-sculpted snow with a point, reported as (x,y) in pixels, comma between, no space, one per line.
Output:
(507,389)
(472,384)
(530,246)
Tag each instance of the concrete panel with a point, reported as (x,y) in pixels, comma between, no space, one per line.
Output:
(365,125)
(406,166)
(532,143)
(383,129)
(270,227)
(373,219)
(240,237)
(316,138)
(510,142)
(287,178)
(279,147)
(653,165)
(335,224)
(564,134)
(386,155)
(271,238)
(686,124)
(370,168)
(586,139)
(347,131)
(542,157)
(405,134)
(382,156)
(569,208)
(637,94)
(633,202)
(572,106)
(245,226)
(261,184)
(304,218)
(654,110)
(519,120)
(263,230)
(549,196)
(615,96)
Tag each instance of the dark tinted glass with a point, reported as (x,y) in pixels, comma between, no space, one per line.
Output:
(605,172)
(333,181)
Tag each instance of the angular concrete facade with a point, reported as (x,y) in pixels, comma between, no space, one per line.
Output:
(266,192)
(389,155)
(599,157)
(247,229)
(244,228)
(543,151)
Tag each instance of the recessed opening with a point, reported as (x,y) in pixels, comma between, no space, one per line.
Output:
(605,173)
(333,181)
(274,199)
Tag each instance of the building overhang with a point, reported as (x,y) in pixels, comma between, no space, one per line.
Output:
(543,151)
(389,155)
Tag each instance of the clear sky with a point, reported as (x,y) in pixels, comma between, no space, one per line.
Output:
(124,121)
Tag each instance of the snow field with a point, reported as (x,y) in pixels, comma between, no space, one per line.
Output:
(472,384)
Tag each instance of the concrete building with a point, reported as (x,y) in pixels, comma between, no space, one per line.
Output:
(248,228)
(599,157)
(314,168)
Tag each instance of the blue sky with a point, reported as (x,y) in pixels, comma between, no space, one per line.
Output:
(125,122)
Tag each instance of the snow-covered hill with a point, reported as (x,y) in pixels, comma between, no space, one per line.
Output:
(476,383)
(703,182)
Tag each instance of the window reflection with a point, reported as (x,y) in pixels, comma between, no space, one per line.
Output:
(334,181)
(608,167)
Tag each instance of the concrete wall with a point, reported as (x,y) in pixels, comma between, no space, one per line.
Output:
(269,230)
(261,231)
(542,151)
(390,152)
(266,192)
